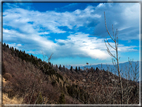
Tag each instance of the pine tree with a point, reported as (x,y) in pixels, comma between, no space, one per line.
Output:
(97,68)
(71,68)
(4,44)
(7,45)
(60,67)
(12,49)
(63,67)
(76,69)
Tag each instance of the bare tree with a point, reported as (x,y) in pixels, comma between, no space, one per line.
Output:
(114,38)
(50,58)
(36,73)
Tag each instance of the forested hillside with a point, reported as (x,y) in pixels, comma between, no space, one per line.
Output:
(39,82)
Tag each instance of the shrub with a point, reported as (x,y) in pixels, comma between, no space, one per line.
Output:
(7,76)
(59,76)
(62,99)
(53,82)
(40,99)
(11,94)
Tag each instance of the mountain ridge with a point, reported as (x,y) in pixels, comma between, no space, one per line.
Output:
(110,67)
(39,82)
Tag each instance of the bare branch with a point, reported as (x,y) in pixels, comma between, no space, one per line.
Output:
(50,57)
(110,44)
(107,28)
(109,51)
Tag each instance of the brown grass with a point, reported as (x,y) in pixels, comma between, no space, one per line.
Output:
(6,99)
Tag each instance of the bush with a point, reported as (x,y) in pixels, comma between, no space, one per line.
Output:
(59,76)
(62,99)
(53,82)
(40,99)
(7,76)
(11,94)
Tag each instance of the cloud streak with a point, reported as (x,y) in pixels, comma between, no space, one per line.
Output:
(33,29)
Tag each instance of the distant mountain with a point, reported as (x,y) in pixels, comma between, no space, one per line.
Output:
(124,67)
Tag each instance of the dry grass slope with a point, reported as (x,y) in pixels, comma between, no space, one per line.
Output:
(6,99)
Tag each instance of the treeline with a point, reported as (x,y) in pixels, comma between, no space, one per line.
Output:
(46,68)
(22,55)
(74,91)
(71,68)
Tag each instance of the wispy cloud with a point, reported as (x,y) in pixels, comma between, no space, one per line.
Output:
(50,20)
(27,27)
(123,16)
(78,44)
(82,45)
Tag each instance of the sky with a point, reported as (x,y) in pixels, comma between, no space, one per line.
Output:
(73,32)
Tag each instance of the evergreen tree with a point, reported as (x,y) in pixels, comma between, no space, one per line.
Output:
(31,56)
(63,67)
(76,69)
(49,63)
(97,68)
(71,68)
(12,49)
(7,45)
(60,67)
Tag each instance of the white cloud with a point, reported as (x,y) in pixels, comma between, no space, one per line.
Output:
(17,46)
(100,5)
(5,31)
(78,44)
(31,41)
(82,45)
(121,15)
(122,48)
(50,20)
(27,29)
(43,33)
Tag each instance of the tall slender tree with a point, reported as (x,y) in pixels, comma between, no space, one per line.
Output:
(76,69)
(114,38)
(71,68)
(60,67)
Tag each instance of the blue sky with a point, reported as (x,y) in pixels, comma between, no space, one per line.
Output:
(73,32)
